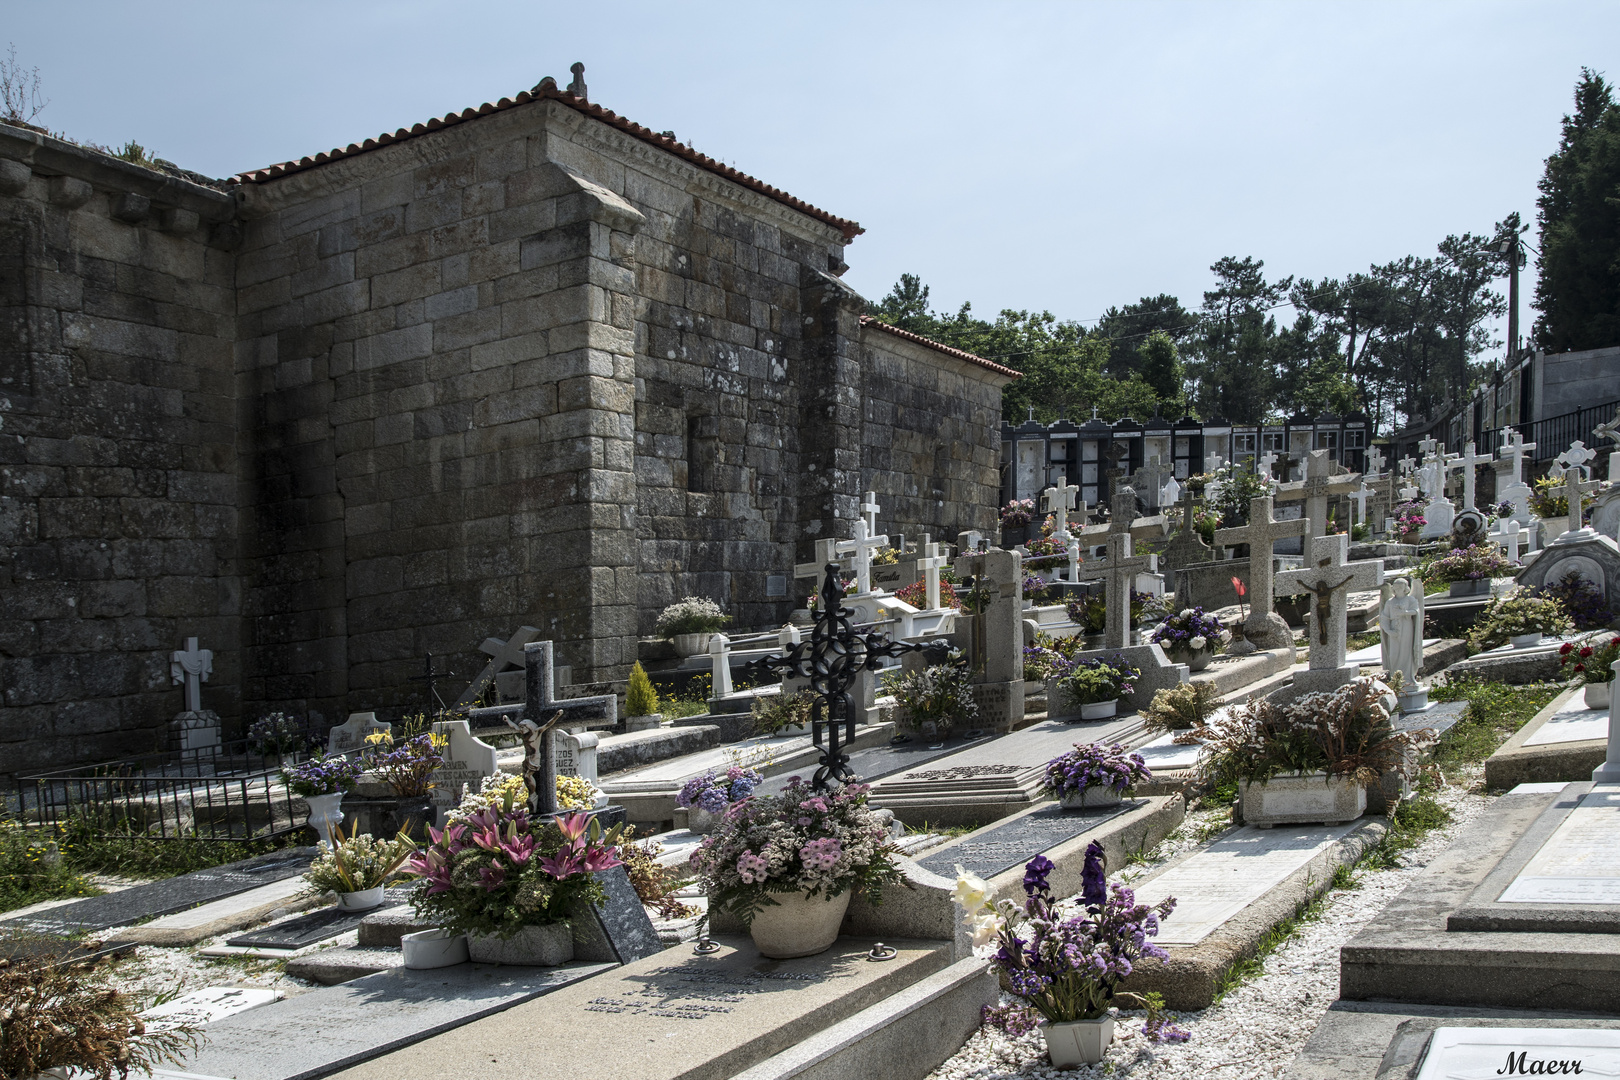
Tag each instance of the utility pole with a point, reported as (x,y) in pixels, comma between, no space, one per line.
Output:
(1510,243)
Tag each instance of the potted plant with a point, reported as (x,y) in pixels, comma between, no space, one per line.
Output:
(787,864)
(578,793)
(641,702)
(1062,965)
(1592,661)
(1094,775)
(512,883)
(1015,519)
(935,699)
(690,622)
(406,766)
(1094,685)
(1521,620)
(1581,600)
(1409,521)
(1189,637)
(1311,759)
(706,798)
(322,782)
(1181,708)
(783,714)
(1468,570)
(357,868)
(277,734)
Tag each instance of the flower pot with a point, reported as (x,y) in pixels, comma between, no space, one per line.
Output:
(691,644)
(533,946)
(1195,659)
(1473,587)
(798,925)
(361,899)
(1525,641)
(1599,694)
(1078,1042)
(643,723)
(1098,710)
(699,820)
(433,949)
(325,812)
(1091,796)
(1300,800)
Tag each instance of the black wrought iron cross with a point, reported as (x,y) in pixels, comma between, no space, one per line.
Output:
(831,659)
(432,678)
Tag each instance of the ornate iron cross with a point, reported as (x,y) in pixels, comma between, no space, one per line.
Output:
(831,659)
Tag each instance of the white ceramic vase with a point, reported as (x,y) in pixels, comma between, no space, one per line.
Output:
(361,899)
(1099,710)
(547,945)
(798,925)
(433,949)
(1599,694)
(1525,641)
(1078,1042)
(325,813)
(1091,796)
(691,644)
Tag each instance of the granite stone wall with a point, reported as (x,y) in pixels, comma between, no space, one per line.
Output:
(118,496)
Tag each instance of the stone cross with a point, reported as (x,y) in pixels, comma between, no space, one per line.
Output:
(1060,500)
(1576,457)
(1574,488)
(1116,453)
(503,655)
(1360,497)
(1318,486)
(1213,462)
(1375,461)
(1187,509)
(996,630)
(720,659)
(1466,461)
(1122,570)
(930,564)
(1510,535)
(191,666)
(1407,464)
(1267,460)
(1261,533)
(863,547)
(1611,430)
(544,713)
(1329,578)
(869,510)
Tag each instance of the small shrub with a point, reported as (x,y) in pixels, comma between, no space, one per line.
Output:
(774,714)
(1510,616)
(1582,600)
(942,694)
(641,697)
(1178,708)
(691,615)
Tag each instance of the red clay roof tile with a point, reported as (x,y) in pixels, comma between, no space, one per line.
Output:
(930,343)
(543,92)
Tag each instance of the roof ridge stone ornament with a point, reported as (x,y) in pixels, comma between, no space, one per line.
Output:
(831,658)
(577,87)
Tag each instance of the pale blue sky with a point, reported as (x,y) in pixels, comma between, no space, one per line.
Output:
(1060,156)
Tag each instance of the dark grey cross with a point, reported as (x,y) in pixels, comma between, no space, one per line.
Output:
(432,678)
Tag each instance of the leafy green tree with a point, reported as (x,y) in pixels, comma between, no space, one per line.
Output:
(1161,370)
(1234,374)
(906,306)
(1129,328)
(1578,286)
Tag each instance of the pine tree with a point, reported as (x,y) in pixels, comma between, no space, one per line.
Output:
(1160,367)
(1578,287)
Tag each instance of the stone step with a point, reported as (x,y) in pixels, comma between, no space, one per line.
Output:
(383,929)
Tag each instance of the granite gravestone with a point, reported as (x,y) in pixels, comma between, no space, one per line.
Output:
(353,732)
(1263,628)
(319,925)
(988,852)
(619,931)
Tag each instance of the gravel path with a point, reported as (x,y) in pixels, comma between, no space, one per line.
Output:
(1257,1029)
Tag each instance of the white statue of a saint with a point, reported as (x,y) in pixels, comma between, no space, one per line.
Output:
(1400,626)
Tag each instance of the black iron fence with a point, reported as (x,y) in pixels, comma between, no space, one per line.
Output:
(230,791)
(1553,435)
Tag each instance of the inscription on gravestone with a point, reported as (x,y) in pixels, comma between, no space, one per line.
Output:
(1006,846)
(690,992)
(965,772)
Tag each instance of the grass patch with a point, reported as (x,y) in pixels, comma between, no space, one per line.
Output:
(1413,820)
(949,832)
(1495,712)
(1363,641)
(1251,966)
(32,870)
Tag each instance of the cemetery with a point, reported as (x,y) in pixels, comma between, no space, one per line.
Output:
(1144,748)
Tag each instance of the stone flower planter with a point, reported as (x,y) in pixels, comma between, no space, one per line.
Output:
(1078,1042)
(1599,694)
(1525,641)
(1310,799)
(798,925)
(691,644)
(1091,796)
(533,946)
(433,949)
(643,723)
(325,812)
(1196,660)
(1099,710)
(700,821)
(1472,587)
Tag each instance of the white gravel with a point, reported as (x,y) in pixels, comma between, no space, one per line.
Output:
(1257,1029)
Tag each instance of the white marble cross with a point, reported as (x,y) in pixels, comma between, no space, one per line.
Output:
(1576,457)
(1466,461)
(503,655)
(1213,461)
(930,565)
(1510,535)
(1059,501)
(1514,447)
(1261,534)
(191,666)
(1375,461)
(869,510)
(1574,488)
(1267,460)
(1611,430)
(1329,578)
(1360,497)
(720,658)
(863,547)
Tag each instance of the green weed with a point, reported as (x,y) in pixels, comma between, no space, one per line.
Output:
(1495,712)
(1255,964)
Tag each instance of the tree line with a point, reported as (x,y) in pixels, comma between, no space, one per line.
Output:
(1394,341)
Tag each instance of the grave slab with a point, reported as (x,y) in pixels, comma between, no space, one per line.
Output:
(1506,664)
(1409,953)
(164,897)
(1220,921)
(222,916)
(208,1005)
(692,1017)
(988,852)
(1550,759)
(620,930)
(1573,722)
(317,926)
(1440,717)
(332,967)
(321,1032)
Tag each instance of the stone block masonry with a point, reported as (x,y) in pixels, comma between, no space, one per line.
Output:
(531,369)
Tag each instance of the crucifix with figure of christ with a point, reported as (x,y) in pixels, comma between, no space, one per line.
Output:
(1329,579)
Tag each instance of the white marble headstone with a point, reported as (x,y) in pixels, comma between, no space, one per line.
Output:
(351,734)
(467,761)
(1488,1053)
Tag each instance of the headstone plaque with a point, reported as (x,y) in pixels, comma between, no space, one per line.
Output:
(621,930)
(1486,1053)
(989,852)
(1580,862)
(203,1007)
(353,732)
(466,762)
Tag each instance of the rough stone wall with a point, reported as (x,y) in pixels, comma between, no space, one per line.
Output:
(118,516)
(929,443)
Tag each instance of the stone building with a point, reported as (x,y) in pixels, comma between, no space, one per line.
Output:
(530,363)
